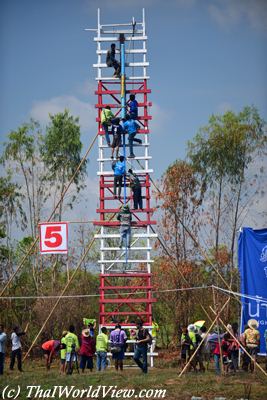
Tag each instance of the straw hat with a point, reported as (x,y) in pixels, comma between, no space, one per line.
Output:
(86,332)
(253,324)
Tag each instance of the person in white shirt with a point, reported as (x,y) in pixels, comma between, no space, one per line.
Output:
(16,349)
(2,349)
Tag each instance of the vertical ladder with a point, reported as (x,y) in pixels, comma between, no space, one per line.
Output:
(125,277)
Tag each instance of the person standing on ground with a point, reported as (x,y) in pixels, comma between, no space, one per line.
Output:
(131,127)
(3,339)
(125,218)
(252,341)
(63,352)
(118,340)
(87,350)
(106,118)
(16,351)
(143,338)
(102,349)
(135,185)
(119,172)
(193,344)
(72,346)
(112,62)
(185,346)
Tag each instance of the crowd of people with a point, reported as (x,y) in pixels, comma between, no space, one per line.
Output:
(78,352)
(198,348)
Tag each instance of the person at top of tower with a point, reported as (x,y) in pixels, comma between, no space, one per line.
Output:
(106,118)
(135,185)
(119,172)
(133,105)
(112,62)
(131,127)
(117,131)
(125,218)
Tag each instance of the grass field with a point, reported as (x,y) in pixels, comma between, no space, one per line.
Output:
(206,385)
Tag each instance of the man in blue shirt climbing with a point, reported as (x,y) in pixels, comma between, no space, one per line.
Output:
(131,127)
(133,105)
(119,172)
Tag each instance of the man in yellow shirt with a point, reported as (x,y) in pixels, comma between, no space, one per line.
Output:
(63,352)
(106,117)
(72,346)
(155,329)
(102,349)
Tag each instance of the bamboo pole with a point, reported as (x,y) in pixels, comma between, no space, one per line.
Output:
(211,326)
(240,344)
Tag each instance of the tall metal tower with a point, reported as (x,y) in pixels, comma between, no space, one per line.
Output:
(125,277)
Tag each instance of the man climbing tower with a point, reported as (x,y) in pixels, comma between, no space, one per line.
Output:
(125,218)
(131,126)
(112,62)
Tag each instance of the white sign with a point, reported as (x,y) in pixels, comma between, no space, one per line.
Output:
(53,237)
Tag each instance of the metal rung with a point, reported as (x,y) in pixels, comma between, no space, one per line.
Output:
(135,158)
(105,146)
(130,51)
(116,39)
(136,171)
(130,64)
(120,249)
(130,78)
(117,235)
(125,31)
(123,261)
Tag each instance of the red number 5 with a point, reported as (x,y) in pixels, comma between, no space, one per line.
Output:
(51,233)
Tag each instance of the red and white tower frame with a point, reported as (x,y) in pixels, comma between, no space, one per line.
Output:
(125,279)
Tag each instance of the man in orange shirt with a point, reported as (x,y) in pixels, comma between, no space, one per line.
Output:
(49,349)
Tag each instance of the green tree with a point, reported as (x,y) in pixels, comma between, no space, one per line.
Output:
(61,153)
(11,212)
(221,153)
(21,154)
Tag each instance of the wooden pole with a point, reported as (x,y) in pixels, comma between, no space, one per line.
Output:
(193,355)
(242,347)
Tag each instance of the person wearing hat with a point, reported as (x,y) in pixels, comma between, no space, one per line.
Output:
(193,344)
(125,218)
(63,352)
(252,341)
(87,350)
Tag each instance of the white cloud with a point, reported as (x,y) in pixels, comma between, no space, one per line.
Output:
(85,111)
(159,119)
(228,13)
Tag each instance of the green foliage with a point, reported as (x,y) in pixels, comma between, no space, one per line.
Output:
(62,147)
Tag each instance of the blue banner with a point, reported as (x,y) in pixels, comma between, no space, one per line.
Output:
(252,261)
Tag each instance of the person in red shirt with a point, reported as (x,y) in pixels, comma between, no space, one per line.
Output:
(225,351)
(87,350)
(49,349)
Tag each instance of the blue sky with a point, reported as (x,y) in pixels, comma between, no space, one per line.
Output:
(206,57)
